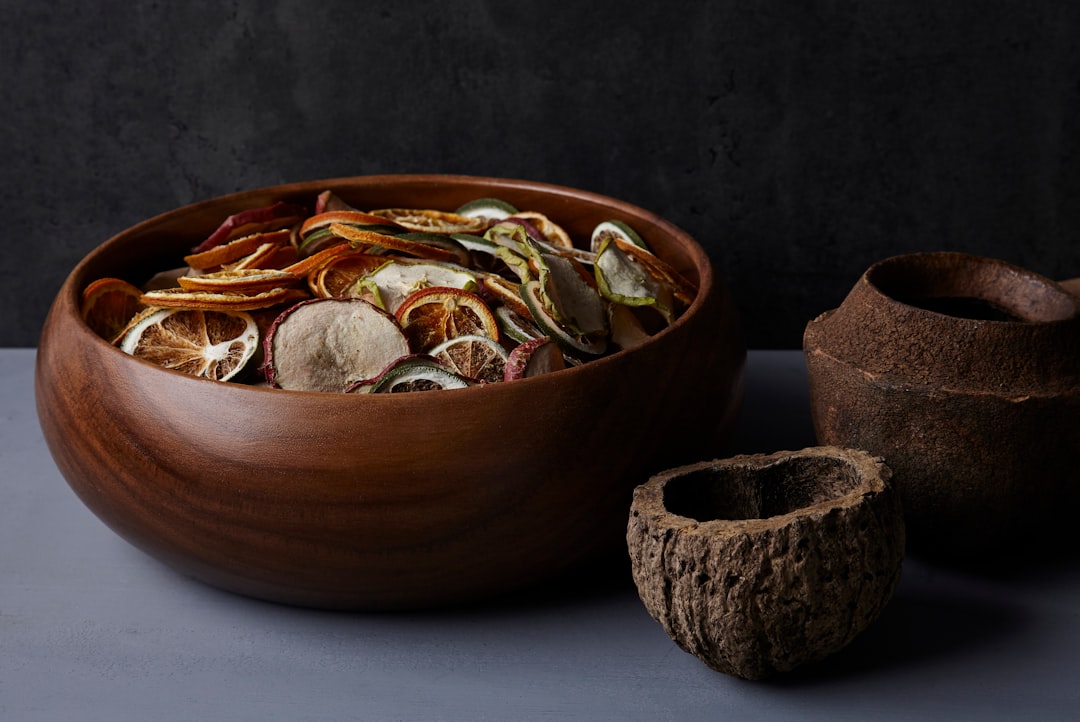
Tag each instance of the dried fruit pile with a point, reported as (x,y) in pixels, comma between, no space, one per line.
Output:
(343,300)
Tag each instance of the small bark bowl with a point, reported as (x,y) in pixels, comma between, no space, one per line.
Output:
(963,372)
(380,502)
(758,564)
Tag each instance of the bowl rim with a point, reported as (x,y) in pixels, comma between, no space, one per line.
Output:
(66,301)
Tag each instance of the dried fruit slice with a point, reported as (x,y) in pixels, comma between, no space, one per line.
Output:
(245,281)
(335,278)
(430,316)
(235,249)
(534,357)
(491,209)
(215,345)
(108,304)
(416,372)
(480,358)
(420,245)
(517,327)
(329,344)
(550,231)
(622,280)
(432,221)
(616,229)
(253,220)
(216,301)
(552,325)
(396,279)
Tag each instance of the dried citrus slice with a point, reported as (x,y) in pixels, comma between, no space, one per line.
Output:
(335,278)
(616,229)
(216,301)
(329,344)
(108,304)
(215,345)
(480,358)
(432,221)
(517,327)
(234,250)
(415,372)
(430,316)
(248,281)
(420,245)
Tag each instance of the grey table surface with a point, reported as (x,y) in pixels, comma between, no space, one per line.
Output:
(92,629)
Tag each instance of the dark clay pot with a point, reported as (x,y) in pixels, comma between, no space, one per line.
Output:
(963,373)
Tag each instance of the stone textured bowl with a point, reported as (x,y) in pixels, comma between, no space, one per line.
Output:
(381,502)
(963,372)
(759,564)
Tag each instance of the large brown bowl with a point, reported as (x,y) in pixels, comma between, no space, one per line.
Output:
(382,502)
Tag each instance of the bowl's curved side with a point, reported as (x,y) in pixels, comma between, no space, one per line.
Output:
(374,502)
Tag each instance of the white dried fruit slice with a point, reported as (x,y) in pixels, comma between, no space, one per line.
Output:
(619,230)
(329,344)
(473,356)
(622,280)
(396,280)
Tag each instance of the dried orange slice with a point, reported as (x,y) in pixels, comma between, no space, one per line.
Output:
(108,304)
(480,358)
(432,221)
(248,281)
(433,315)
(335,278)
(215,345)
(215,301)
(234,250)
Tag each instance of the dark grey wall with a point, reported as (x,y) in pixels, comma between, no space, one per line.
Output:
(798,141)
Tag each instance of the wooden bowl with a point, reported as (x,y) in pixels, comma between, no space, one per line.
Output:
(381,502)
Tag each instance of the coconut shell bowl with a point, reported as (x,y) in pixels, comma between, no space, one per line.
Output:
(963,373)
(382,501)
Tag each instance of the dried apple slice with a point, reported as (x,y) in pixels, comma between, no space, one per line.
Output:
(622,280)
(398,278)
(534,357)
(490,209)
(551,324)
(616,229)
(253,220)
(328,344)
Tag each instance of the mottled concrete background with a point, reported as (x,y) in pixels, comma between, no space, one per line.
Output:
(798,141)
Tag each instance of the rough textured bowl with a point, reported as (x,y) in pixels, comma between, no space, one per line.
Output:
(963,372)
(381,502)
(759,564)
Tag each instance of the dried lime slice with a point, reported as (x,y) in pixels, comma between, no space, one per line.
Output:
(417,372)
(473,356)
